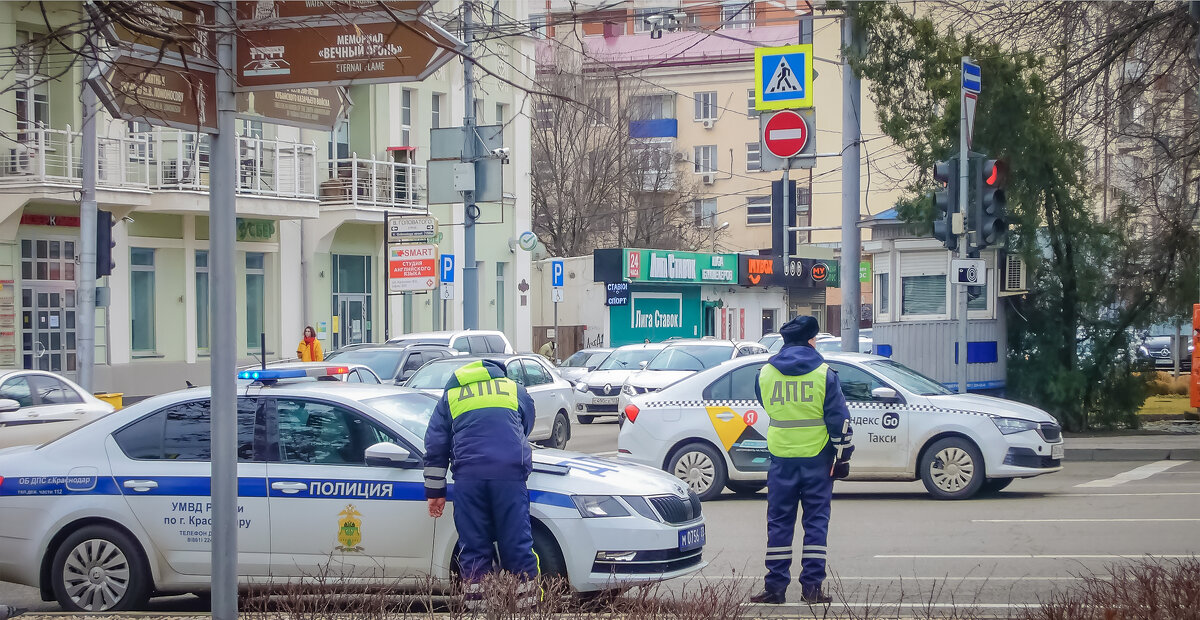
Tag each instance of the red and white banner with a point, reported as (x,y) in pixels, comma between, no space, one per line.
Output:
(412,268)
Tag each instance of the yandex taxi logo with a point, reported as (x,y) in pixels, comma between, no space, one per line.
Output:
(756,268)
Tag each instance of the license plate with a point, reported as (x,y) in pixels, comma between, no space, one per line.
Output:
(691,538)
(1057,451)
(604,400)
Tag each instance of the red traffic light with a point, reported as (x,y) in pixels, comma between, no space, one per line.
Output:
(995,172)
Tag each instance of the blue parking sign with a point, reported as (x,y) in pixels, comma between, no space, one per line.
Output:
(447,267)
(556,273)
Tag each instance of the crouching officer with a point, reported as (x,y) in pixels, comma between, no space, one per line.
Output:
(480,429)
(809,439)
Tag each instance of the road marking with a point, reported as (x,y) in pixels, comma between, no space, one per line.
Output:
(1125,494)
(1031,556)
(878,606)
(1139,473)
(1130,520)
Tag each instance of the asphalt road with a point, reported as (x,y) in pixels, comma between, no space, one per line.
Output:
(892,546)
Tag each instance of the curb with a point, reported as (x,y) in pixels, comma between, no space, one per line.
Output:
(1131,454)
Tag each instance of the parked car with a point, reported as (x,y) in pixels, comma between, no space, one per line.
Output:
(774,342)
(710,430)
(1156,347)
(473,341)
(596,394)
(394,363)
(551,394)
(328,470)
(680,359)
(833,344)
(321,371)
(582,362)
(37,406)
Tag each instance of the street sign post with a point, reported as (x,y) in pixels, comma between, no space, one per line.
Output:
(412,268)
(160,93)
(408,228)
(969,102)
(189,26)
(556,273)
(785,134)
(972,82)
(805,158)
(783,77)
(972,76)
(968,271)
(448,268)
(342,54)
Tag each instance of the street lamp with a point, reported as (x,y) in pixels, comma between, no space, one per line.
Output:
(713,234)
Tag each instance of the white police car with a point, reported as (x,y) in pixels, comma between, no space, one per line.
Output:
(710,430)
(330,481)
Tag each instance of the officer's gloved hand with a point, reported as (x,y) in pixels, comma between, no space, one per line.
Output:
(841,464)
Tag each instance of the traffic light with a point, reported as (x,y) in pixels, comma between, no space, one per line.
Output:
(945,202)
(104,244)
(989,210)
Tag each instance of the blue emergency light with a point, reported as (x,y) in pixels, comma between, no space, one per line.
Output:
(292,373)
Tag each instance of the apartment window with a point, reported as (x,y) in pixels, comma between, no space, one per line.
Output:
(500,296)
(750,111)
(339,141)
(141,298)
(641,24)
(758,210)
(653,107)
(537,26)
(140,151)
(705,211)
(435,111)
(923,295)
(600,110)
(543,114)
(882,292)
(252,129)
(737,14)
(255,298)
(31,89)
(406,116)
(753,157)
(706,105)
(706,158)
(202,300)
(33,108)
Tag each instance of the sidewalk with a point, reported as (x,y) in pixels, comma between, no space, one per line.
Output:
(1134,448)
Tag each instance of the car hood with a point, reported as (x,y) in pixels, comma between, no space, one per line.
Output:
(574,473)
(572,373)
(615,377)
(658,379)
(992,406)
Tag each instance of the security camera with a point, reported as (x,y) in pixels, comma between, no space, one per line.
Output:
(501,153)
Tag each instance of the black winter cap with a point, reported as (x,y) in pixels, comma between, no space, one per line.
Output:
(799,330)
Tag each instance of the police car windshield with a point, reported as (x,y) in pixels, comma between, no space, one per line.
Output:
(907,378)
(435,375)
(382,362)
(412,411)
(627,359)
(691,357)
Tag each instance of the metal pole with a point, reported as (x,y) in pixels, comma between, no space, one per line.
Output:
(554,349)
(85,288)
(470,301)
(222,207)
(960,291)
(387,291)
(851,237)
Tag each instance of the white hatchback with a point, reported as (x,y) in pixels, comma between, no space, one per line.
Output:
(330,491)
(710,430)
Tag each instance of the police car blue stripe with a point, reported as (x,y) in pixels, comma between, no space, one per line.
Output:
(192,486)
(550,498)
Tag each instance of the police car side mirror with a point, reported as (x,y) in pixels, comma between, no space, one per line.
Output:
(387,454)
(8,405)
(885,394)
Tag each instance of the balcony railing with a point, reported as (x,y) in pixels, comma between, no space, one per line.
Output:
(374,184)
(43,156)
(272,168)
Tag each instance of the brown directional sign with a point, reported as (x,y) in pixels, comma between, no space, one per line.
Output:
(313,108)
(341,54)
(251,13)
(159,93)
(188,24)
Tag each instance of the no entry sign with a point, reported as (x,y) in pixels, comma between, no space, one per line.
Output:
(785,134)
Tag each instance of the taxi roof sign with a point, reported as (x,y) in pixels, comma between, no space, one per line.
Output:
(783,77)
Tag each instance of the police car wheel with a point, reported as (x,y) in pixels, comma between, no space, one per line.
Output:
(550,559)
(701,468)
(952,468)
(745,488)
(99,568)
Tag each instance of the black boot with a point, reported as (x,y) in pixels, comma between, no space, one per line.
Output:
(768,597)
(815,596)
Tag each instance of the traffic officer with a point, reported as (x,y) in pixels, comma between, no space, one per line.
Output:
(480,429)
(809,440)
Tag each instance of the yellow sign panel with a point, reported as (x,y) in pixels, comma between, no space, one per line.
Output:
(335,324)
(783,77)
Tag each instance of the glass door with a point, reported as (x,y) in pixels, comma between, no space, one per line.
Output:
(352,319)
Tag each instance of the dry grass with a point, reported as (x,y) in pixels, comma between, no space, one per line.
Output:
(1164,384)
(1147,590)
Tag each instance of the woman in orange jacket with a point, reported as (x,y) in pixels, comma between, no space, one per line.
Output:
(309,349)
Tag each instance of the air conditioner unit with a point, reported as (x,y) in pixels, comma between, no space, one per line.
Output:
(708,178)
(1014,275)
(22,160)
(708,123)
(680,156)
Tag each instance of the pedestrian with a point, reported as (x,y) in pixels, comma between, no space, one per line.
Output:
(809,438)
(309,349)
(480,430)
(549,350)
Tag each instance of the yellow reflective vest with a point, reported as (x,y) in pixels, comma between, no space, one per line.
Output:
(796,406)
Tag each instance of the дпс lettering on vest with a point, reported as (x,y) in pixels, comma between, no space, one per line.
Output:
(792,391)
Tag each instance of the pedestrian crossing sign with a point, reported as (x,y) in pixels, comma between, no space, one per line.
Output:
(783,77)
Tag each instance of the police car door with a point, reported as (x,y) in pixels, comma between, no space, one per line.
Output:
(340,517)
(161,465)
(880,428)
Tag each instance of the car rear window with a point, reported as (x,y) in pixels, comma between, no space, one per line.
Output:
(181,433)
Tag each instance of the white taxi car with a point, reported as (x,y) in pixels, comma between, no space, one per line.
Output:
(330,483)
(681,358)
(710,430)
(596,393)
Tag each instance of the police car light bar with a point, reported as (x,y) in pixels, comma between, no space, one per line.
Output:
(292,373)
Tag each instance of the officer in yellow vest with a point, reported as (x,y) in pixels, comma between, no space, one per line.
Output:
(809,439)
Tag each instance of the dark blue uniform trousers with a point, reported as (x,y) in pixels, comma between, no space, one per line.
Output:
(488,512)
(804,482)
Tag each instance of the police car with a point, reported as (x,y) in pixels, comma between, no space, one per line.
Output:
(710,430)
(330,483)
